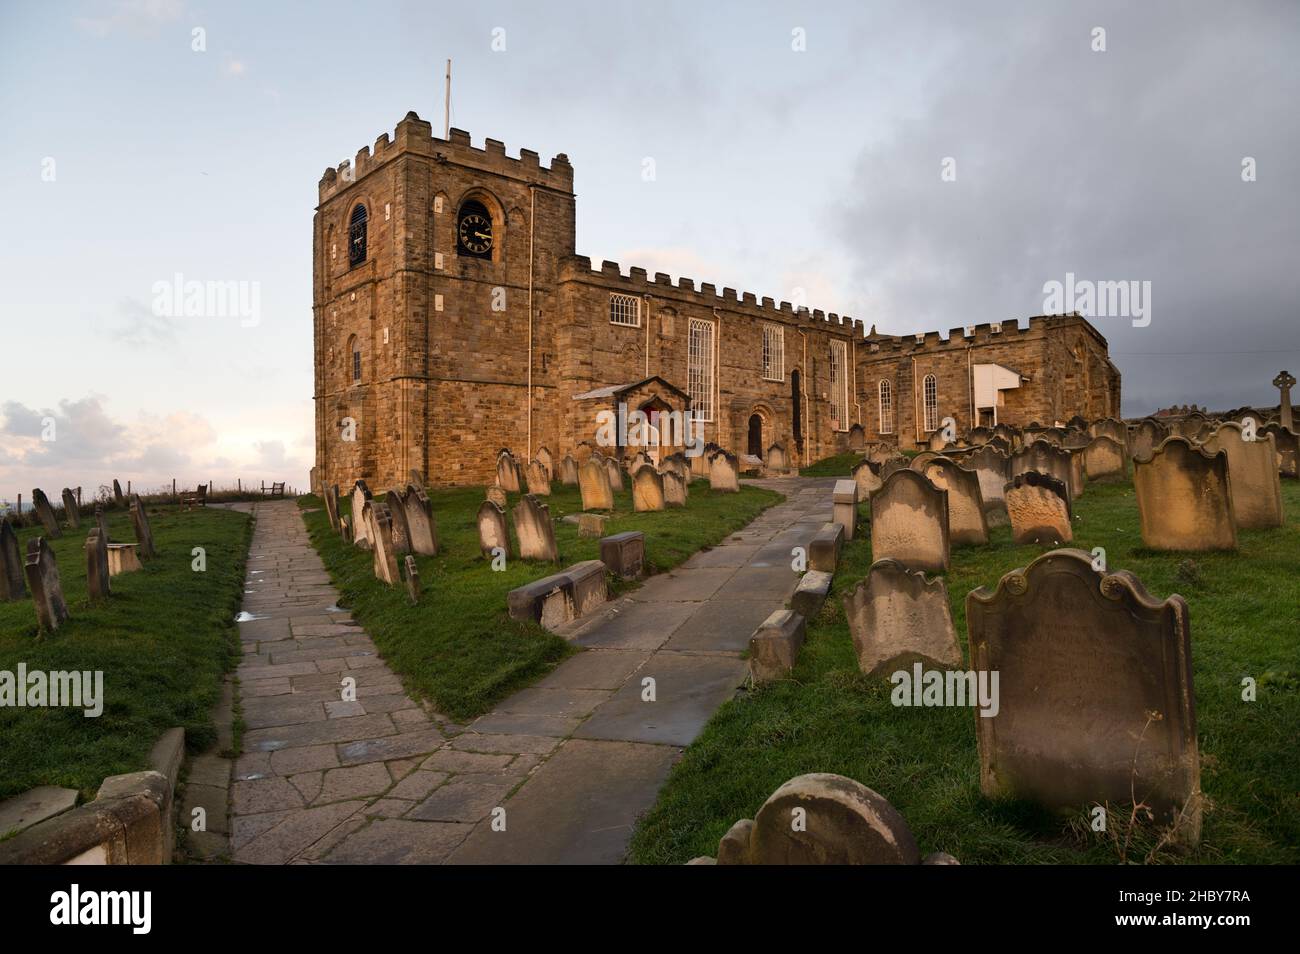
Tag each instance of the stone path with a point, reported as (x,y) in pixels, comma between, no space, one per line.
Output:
(572,760)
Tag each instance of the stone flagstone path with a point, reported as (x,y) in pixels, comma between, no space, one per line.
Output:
(572,760)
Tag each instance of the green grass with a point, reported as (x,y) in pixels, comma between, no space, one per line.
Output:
(458,647)
(163,641)
(1244,611)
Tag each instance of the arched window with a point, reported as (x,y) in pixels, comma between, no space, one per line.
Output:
(886,408)
(357,236)
(354,359)
(930,391)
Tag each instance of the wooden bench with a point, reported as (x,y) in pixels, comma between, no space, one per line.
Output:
(195,498)
(275,490)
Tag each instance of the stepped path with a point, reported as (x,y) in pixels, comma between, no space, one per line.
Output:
(568,764)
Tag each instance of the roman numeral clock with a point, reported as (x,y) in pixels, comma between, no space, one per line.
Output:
(474,231)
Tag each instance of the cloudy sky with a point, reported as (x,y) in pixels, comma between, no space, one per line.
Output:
(917,165)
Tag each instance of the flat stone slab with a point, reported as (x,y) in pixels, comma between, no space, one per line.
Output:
(724,555)
(688,690)
(683,585)
(395,841)
(595,669)
(579,808)
(721,626)
(630,624)
(776,582)
(34,806)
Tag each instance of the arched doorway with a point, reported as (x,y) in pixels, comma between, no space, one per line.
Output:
(756,436)
(796,403)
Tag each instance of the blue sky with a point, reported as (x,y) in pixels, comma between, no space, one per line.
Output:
(776,170)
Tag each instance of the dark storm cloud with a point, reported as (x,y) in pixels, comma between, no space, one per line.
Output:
(1116,165)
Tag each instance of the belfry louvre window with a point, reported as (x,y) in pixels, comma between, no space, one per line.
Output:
(930,394)
(625,310)
(773,352)
(886,408)
(357,236)
(839,385)
(699,369)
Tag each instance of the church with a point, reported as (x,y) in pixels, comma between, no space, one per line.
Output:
(452,318)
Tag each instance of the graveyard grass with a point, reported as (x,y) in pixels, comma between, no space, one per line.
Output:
(458,648)
(1244,611)
(163,641)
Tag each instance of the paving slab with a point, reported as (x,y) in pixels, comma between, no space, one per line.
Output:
(395,841)
(632,624)
(722,626)
(595,669)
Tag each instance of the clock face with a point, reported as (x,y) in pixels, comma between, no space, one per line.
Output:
(475,232)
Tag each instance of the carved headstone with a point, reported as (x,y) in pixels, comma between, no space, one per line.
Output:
(614,475)
(867,476)
(1284,382)
(360,529)
(1146,437)
(143,532)
(922,460)
(1288,449)
(547,460)
(777,461)
(535,530)
(497,496)
(539,478)
(1046,458)
(379,529)
(11,564)
(1183,498)
(647,489)
(857,438)
(909,522)
(1095,701)
(41,504)
(724,472)
(1110,427)
(675,488)
(990,466)
(507,472)
(568,471)
(593,484)
(331,496)
(71,512)
(421,528)
(897,462)
(43,580)
(1103,457)
(1253,479)
(896,617)
(97,575)
(395,501)
(966,523)
(1039,507)
(678,464)
(492,532)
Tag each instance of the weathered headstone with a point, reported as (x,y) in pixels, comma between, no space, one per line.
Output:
(492,532)
(922,460)
(675,488)
(825,547)
(539,478)
(937,442)
(421,528)
(593,484)
(118,497)
(909,522)
(1110,427)
(1039,507)
(43,580)
(1288,449)
(11,564)
(591,526)
(360,529)
(1095,701)
(623,554)
(379,529)
(966,523)
(614,474)
(345,529)
(878,452)
(647,489)
(867,476)
(416,478)
(723,472)
(897,617)
(143,532)
(331,497)
(568,471)
(535,530)
(1146,437)
(1046,458)
(990,466)
(71,511)
(395,501)
(774,647)
(1253,479)
(547,460)
(1103,457)
(844,506)
(97,575)
(1183,498)
(412,580)
(41,504)
(777,461)
(507,472)
(678,464)
(857,438)
(895,463)
(497,496)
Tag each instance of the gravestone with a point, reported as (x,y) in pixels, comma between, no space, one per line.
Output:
(723,473)
(412,580)
(922,460)
(867,476)
(12,586)
(568,471)
(937,442)
(345,529)
(43,580)
(979,436)
(1288,448)
(1096,704)
(1183,498)
(1039,508)
(1146,437)
(1284,382)
(878,452)
(1047,459)
(909,522)
(591,526)
(774,647)
(360,530)
(898,462)
(1007,433)
(395,501)
(497,496)
(897,617)
(623,554)
(1104,457)
(379,529)
(844,506)
(1253,480)
(539,478)
(593,484)
(678,464)
(857,438)
(41,504)
(102,523)
(1110,427)
(507,472)
(421,528)
(535,530)
(118,497)
(97,575)
(675,488)
(990,466)
(122,559)
(825,547)
(332,506)
(614,475)
(492,532)
(966,523)
(547,460)
(647,489)
(777,461)
(416,478)
(143,532)
(71,512)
